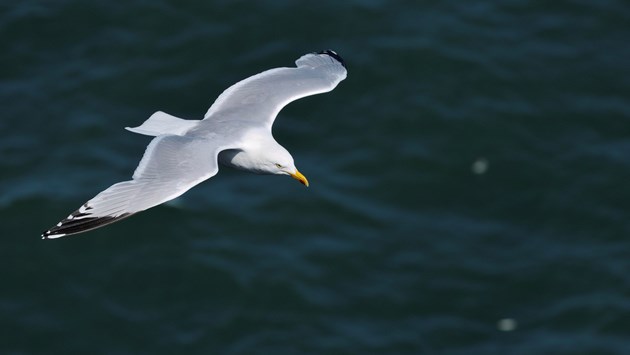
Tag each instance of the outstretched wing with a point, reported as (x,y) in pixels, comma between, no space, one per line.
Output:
(259,98)
(171,165)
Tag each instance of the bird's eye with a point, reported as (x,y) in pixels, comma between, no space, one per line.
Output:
(279,166)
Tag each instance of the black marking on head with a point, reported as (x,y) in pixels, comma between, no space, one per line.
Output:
(333,54)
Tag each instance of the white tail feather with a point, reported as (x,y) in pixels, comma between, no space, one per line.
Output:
(162,123)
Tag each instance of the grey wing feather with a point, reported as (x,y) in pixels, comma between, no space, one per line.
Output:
(171,165)
(260,97)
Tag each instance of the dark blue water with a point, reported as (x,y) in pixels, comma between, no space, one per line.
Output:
(469,180)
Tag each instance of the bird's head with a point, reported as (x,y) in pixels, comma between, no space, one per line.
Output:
(280,162)
(291,170)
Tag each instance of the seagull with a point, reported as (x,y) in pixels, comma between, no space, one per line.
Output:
(235,132)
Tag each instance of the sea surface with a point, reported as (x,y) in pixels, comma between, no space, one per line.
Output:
(470,180)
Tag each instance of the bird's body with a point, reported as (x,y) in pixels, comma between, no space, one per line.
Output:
(236,132)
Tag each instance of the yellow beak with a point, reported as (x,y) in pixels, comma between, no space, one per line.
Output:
(299,177)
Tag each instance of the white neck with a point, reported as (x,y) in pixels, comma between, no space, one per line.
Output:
(255,156)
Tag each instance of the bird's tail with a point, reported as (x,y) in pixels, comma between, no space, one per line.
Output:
(162,123)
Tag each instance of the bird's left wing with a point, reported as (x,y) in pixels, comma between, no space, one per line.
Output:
(171,165)
(259,98)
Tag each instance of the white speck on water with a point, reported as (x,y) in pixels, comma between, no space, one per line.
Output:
(506,324)
(480,166)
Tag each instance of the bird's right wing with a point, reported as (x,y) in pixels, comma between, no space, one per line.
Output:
(259,98)
(171,165)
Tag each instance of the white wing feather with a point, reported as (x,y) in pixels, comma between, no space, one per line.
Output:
(171,165)
(260,97)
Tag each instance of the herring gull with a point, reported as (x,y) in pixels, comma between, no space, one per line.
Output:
(235,132)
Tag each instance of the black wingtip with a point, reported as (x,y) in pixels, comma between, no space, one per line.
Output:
(53,232)
(79,225)
(45,234)
(333,54)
